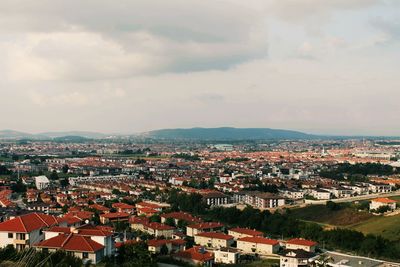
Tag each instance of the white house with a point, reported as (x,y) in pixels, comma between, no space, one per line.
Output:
(226,255)
(41,182)
(382,202)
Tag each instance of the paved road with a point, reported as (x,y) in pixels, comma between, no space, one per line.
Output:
(357,198)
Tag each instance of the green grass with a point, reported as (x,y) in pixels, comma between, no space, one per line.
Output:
(346,216)
(387,227)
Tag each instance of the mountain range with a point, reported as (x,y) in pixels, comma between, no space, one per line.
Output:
(222,133)
(227,133)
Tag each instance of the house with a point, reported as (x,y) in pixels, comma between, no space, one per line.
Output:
(238,233)
(321,194)
(173,245)
(42,182)
(99,208)
(158,229)
(26,230)
(299,243)
(153,228)
(382,202)
(215,198)
(296,258)
(180,216)
(263,200)
(260,245)
(341,192)
(195,229)
(379,188)
(196,256)
(226,256)
(96,233)
(213,240)
(80,246)
(114,217)
(123,207)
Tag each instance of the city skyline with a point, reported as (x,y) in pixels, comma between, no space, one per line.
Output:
(133,66)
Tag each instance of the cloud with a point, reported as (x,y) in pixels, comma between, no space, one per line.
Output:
(75,40)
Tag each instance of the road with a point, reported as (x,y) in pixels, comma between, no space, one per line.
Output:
(352,199)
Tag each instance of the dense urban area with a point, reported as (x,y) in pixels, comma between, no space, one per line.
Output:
(144,202)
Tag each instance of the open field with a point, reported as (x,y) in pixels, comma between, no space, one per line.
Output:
(385,226)
(322,214)
(349,217)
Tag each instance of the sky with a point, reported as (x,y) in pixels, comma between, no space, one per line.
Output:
(319,66)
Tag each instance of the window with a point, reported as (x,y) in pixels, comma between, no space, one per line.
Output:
(85,255)
(10,235)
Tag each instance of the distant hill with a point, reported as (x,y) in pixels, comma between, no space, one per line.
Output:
(227,133)
(15,135)
(90,135)
(10,134)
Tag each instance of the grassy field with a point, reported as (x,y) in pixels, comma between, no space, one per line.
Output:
(388,227)
(349,217)
(321,214)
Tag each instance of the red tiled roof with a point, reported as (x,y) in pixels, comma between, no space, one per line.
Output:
(246,231)
(122,206)
(259,240)
(28,223)
(301,242)
(159,226)
(215,235)
(149,205)
(59,229)
(71,242)
(181,216)
(206,225)
(384,200)
(195,254)
(115,215)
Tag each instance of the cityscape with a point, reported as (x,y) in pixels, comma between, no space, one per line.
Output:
(179,133)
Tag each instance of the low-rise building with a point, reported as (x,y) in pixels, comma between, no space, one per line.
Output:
(213,240)
(296,258)
(260,245)
(238,233)
(227,255)
(303,244)
(382,202)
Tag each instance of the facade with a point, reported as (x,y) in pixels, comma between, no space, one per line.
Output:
(303,244)
(382,202)
(42,182)
(214,240)
(226,256)
(195,229)
(259,245)
(296,258)
(321,194)
(238,233)
(215,198)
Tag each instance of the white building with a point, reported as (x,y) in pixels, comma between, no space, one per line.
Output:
(382,202)
(42,182)
(226,255)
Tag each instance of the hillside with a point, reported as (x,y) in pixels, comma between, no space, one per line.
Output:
(227,133)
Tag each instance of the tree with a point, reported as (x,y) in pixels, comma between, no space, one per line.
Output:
(65,168)
(155,218)
(170,222)
(164,250)
(136,255)
(53,175)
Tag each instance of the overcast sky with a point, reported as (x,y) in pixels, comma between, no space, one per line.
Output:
(320,66)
